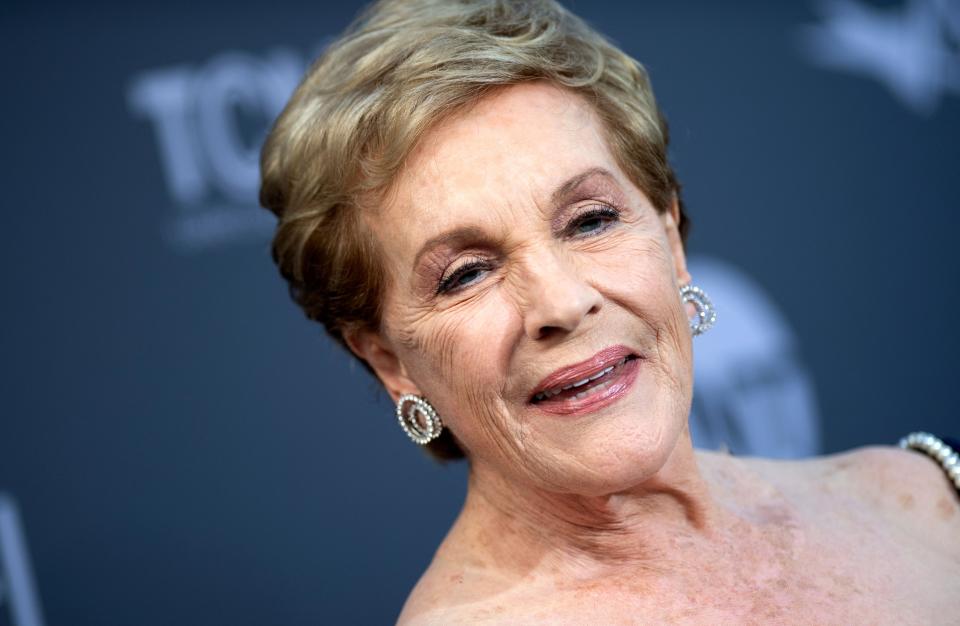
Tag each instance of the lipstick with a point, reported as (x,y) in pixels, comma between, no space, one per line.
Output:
(588,385)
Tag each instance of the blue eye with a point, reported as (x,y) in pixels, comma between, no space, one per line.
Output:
(463,276)
(588,225)
(592,221)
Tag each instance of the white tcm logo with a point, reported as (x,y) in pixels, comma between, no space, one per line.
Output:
(913,48)
(209,122)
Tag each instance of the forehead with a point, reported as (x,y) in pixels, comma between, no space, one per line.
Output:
(500,158)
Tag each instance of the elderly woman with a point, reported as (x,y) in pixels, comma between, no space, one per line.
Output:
(474,197)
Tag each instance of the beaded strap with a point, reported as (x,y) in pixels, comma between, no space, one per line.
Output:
(943,451)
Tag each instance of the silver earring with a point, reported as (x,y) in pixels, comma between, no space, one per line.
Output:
(418,419)
(706,315)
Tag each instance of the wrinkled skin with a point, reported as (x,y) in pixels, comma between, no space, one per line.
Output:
(613,506)
(548,299)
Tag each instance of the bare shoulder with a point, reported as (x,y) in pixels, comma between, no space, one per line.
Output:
(907,488)
(894,486)
(441,599)
(453,590)
(418,612)
(427,604)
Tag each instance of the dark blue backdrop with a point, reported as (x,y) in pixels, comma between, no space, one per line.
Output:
(186,449)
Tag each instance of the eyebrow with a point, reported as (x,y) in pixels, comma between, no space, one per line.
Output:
(451,238)
(472,234)
(561,194)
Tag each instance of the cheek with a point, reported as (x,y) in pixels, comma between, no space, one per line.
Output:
(459,359)
(638,275)
(636,271)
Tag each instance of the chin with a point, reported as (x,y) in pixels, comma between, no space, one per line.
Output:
(615,454)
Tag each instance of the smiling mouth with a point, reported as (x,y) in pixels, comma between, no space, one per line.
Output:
(589,385)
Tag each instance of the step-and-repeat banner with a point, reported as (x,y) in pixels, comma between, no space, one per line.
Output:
(178,445)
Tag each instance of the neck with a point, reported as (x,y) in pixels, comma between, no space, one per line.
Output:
(648,526)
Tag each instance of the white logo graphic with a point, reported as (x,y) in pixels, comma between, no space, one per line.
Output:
(752,394)
(209,122)
(914,50)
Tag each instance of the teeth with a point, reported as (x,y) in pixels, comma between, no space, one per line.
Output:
(590,391)
(549,393)
(603,373)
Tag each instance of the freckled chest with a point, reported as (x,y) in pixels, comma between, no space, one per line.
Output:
(834,566)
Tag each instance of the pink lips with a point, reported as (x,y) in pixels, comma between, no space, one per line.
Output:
(623,364)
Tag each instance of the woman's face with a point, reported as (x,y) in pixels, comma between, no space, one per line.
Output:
(522,260)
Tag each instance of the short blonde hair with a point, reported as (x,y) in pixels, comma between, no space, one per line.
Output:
(399,69)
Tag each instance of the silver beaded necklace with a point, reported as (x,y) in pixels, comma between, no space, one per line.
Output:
(938,450)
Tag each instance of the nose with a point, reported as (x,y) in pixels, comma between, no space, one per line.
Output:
(557,297)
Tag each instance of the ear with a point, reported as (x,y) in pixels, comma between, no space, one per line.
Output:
(670,220)
(372,348)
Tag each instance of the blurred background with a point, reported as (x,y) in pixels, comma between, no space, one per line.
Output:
(178,445)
